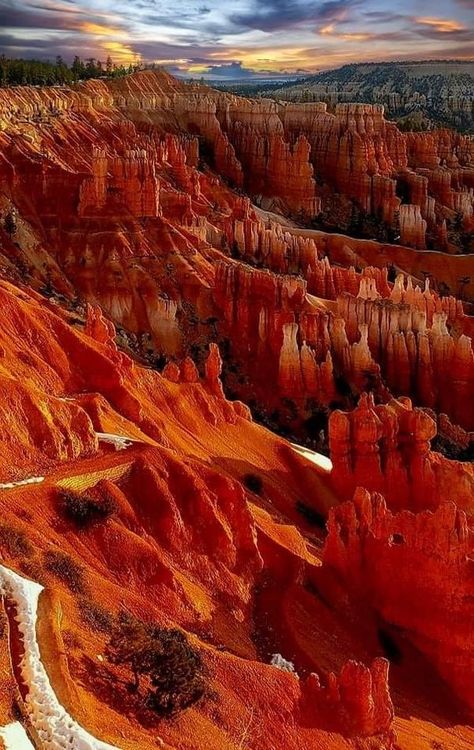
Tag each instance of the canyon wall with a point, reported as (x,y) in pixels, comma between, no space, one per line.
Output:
(396,560)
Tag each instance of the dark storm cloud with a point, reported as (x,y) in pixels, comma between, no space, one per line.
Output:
(197,53)
(7,41)
(273,15)
(42,49)
(15,18)
(49,9)
(47,17)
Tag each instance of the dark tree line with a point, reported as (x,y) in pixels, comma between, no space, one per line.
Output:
(21,72)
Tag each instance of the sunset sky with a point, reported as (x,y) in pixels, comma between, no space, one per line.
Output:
(242,38)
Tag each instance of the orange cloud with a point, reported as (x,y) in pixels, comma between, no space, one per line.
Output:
(358,37)
(100,30)
(120,53)
(444,25)
(348,37)
(113,41)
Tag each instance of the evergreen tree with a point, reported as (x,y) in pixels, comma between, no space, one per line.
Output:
(173,667)
(21,72)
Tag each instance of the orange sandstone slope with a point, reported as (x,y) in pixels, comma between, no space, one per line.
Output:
(243,574)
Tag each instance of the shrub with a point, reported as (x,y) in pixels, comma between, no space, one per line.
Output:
(15,541)
(66,570)
(9,223)
(173,667)
(253,483)
(95,616)
(84,511)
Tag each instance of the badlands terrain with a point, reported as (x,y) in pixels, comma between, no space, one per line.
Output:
(244,328)
(418,93)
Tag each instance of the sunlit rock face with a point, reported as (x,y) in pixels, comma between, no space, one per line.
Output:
(164,293)
(397,560)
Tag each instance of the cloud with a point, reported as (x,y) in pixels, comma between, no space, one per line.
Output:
(274,15)
(231,71)
(53,17)
(410,27)
(239,39)
(443,25)
(16,18)
(383,16)
(442,28)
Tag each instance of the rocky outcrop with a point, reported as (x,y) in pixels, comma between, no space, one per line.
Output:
(357,700)
(408,336)
(396,562)
(412,226)
(386,448)
(127,208)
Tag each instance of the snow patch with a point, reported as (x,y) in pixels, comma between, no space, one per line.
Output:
(278,661)
(11,485)
(53,725)
(15,738)
(120,442)
(322,462)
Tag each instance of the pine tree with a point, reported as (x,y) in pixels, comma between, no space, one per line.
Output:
(174,669)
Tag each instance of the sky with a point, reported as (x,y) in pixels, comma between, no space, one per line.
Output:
(239,38)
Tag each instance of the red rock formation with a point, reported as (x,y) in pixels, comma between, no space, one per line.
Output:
(396,562)
(386,448)
(103,331)
(358,699)
(412,226)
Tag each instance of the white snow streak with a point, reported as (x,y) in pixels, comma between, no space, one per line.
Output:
(53,725)
(20,482)
(278,661)
(15,738)
(120,442)
(322,462)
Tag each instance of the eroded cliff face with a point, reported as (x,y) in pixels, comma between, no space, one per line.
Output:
(396,561)
(114,201)
(387,448)
(135,246)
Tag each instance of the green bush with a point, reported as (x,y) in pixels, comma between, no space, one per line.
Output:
(14,541)
(84,511)
(173,667)
(61,565)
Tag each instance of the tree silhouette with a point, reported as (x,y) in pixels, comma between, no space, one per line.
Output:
(173,667)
